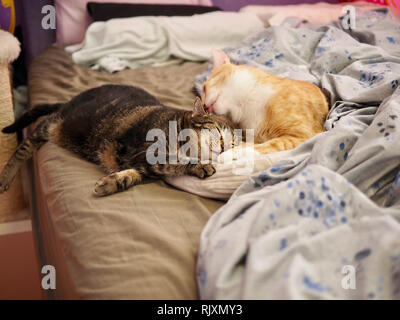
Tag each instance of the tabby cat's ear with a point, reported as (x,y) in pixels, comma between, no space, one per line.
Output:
(197,107)
(219,58)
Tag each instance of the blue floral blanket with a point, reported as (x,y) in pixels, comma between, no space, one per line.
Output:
(323,223)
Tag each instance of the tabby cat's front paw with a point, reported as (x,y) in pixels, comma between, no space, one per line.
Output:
(111,184)
(117,182)
(105,186)
(203,171)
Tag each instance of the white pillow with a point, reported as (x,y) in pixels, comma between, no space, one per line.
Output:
(229,175)
(73,18)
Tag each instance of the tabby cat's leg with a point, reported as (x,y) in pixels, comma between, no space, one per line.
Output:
(199,170)
(107,156)
(24,152)
(116,182)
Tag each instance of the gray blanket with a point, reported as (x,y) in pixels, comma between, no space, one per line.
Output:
(324,222)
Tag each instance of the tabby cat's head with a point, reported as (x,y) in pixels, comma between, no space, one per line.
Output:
(218,130)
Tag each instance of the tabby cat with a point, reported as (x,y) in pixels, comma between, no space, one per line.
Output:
(108,126)
(282,112)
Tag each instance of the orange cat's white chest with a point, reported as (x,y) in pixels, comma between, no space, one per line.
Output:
(246,97)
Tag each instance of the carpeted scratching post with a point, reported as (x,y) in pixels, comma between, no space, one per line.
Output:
(12,201)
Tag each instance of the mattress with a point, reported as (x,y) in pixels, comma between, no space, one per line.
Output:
(138,244)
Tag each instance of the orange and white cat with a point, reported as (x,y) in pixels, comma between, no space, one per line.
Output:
(282,112)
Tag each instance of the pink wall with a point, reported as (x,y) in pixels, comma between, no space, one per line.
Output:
(234,5)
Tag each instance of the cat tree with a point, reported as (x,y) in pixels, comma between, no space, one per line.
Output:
(12,201)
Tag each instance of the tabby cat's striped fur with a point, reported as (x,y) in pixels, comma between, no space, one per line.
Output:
(108,125)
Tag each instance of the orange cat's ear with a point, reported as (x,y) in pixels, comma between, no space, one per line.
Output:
(197,107)
(219,58)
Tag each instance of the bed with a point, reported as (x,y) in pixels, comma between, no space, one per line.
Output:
(140,244)
(143,243)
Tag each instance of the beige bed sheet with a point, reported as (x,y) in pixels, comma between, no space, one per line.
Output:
(139,244)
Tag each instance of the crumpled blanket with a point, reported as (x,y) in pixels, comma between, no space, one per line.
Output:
(323,223)
(119,44)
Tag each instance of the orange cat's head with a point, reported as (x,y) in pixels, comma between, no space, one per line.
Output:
(232,90)
(213,98)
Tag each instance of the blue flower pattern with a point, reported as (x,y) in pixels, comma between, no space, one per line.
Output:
(333,185)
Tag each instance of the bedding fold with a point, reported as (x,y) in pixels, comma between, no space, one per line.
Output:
(324,222)
(119,44)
